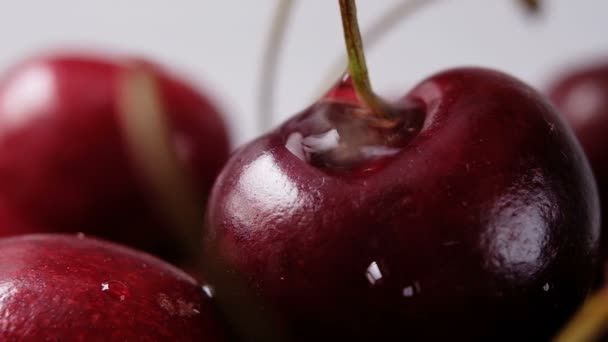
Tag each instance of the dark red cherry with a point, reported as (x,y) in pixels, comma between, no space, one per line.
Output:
(73,159)
(581,94)
(475,217)
(73,288)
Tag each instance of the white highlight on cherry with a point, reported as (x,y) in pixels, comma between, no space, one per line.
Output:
(27,95)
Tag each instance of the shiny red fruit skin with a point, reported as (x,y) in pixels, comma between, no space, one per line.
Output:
(69,288)
(64,163)
(582,96)
(483,227)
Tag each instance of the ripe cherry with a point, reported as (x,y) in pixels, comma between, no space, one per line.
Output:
(465,210)
(115,147)
(73,288)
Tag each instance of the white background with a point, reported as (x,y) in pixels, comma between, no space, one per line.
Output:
(220,43)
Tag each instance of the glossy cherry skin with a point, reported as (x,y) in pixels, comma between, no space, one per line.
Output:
(73,288)
(582,97)
(65,165)
(484,226)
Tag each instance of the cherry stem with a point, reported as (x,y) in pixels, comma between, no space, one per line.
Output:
(531,5)
(269,63)
(356,61)
(146,130)
(589,322)
(384,24)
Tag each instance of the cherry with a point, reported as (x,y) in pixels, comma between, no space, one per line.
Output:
(73,288)
(482,226)
(465,210)
(581,94)
(85,148)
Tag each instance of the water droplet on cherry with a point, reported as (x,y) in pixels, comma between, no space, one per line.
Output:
(411,290)
(408,291)
(373,273)
(208,290)
(115,289)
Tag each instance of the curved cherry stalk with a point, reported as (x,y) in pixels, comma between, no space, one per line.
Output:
(385,24)
(270,59)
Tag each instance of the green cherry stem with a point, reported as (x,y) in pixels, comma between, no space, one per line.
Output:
(356,62)
(387,21)
(268,71)
(143,121)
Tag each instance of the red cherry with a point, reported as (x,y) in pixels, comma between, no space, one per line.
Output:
(481,223)
(581,94)
(74,159)
(69,288)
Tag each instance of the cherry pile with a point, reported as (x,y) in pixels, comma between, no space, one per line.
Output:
(467,209)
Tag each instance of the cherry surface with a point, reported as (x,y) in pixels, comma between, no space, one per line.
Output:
(73,288)
(64,161)
(581,94)
(481,223)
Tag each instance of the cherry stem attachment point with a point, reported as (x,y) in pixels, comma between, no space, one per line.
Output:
(356,61)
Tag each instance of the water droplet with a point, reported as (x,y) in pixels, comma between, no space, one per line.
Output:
(546,287)
(411,290)
(373,273)
(408,291)
(208,290)
(187,309)
(115,289)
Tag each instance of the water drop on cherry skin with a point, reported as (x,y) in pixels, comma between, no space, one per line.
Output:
(115,289)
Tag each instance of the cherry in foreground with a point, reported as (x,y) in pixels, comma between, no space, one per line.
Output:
(85,147)
(470,215)
(72,288)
